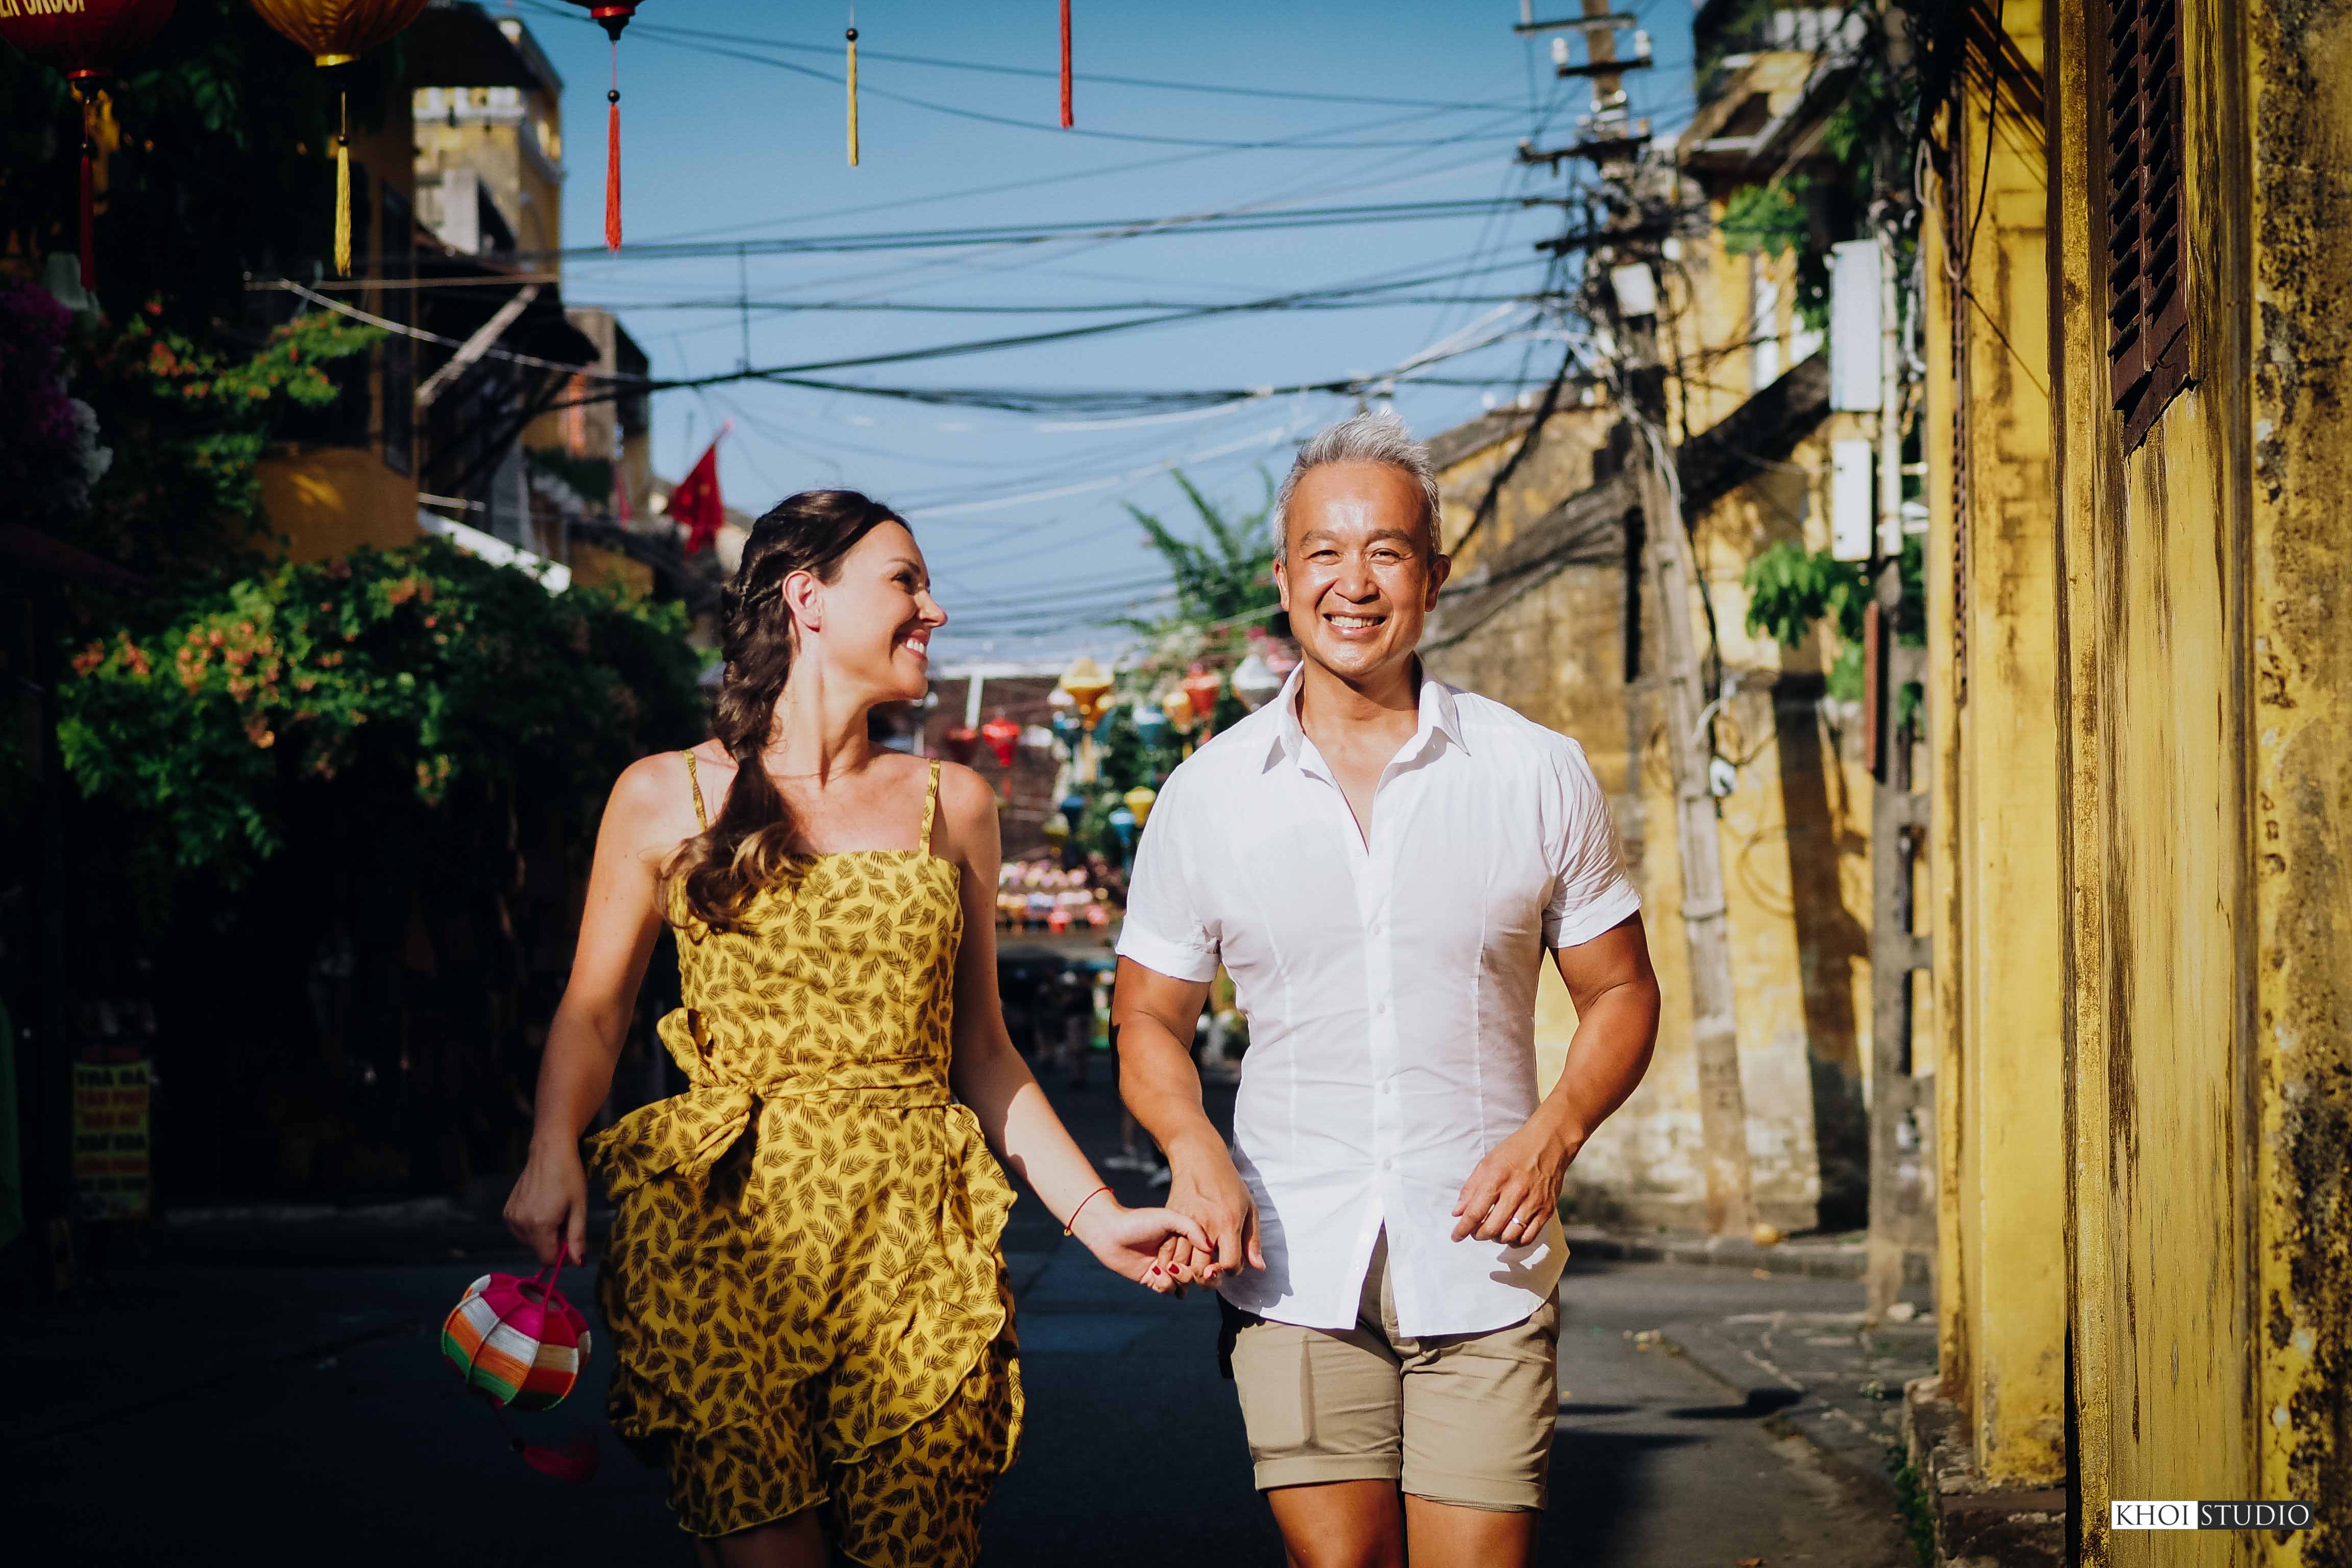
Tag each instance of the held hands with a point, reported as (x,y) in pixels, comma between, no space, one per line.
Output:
(1131,1242)
(1204,1186)
(548,1210)
(1515,1190)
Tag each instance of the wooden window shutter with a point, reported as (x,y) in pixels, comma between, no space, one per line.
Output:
(2147,310)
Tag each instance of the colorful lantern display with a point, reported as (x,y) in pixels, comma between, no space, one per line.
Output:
(1122,828)
(1254,682)
(1074,806)
(1151,724)
(614,15)
(960,744)
(1140,801)
(1201,687)
(87,42)
(335,33)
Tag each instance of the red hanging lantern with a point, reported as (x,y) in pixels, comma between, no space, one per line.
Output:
(1002,735)
(613,15)
(1201,689)
(959,743)
(88,42)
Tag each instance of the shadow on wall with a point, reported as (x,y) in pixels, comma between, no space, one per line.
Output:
(1832,946)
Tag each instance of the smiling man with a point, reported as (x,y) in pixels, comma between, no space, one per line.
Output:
(1382,863)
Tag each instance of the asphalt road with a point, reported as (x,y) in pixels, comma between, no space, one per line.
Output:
(242,1411)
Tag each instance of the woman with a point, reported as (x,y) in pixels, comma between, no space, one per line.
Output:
(804,1284)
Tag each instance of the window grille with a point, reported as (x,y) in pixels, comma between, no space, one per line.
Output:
(2147,315)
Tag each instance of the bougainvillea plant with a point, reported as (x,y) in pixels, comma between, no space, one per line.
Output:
(420,671)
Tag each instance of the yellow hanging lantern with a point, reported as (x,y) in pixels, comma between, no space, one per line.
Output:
(1087,683)
(1140,801)
(336,32)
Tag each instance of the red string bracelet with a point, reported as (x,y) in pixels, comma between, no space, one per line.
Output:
(1072,1228)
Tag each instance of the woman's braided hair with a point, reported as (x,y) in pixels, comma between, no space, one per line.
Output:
(750,847)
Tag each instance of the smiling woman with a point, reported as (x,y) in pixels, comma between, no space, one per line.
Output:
(803,1282)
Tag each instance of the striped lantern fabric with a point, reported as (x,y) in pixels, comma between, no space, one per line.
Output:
(517,1340)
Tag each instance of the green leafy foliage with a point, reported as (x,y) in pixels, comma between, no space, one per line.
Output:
(187,422)
(420,670)
(1791,591)
(1768,220)
(1224,583)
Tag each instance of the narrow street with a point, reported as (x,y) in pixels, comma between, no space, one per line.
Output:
(330,1424)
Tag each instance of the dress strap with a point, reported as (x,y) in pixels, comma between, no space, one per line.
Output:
(930,805)
(694,782)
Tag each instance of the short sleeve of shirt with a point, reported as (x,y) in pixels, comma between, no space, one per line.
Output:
(1590,892)
(1166,929)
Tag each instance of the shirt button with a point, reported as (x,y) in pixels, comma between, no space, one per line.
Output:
(1388,1164)
(1381,1006)
(1389,1088)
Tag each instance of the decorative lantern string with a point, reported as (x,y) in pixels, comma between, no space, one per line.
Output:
(343,188)
(1066,120)
(853,87)
(88,236)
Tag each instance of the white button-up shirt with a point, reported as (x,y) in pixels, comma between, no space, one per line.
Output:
(1390,987)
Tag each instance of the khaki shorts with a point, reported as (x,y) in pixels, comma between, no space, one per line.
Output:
(1465,1419)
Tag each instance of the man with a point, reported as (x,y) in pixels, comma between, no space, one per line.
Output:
(1381,862)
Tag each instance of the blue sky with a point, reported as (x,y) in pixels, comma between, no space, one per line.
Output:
(1022,514)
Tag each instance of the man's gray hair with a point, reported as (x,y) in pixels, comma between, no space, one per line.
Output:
(1378,438)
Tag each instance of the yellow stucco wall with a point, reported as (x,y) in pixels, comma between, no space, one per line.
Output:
(2193,593)
(1994,862)
(326,500)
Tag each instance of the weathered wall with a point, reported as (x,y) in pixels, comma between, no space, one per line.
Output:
(2298,101)
(1994,773)
(1795,835)
(2186,608)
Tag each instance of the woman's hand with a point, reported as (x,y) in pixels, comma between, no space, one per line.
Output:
(1129,1242)
(548,1210)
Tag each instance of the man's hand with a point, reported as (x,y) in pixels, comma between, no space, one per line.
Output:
(1516,1188)
(1204,1187)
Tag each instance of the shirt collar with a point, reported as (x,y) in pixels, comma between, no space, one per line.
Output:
(1438,716)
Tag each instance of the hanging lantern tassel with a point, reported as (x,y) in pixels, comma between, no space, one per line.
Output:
(1065,65)
(88,237)
(853,97)
(343,192)
(613,153)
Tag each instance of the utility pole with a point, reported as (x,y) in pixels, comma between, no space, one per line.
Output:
(1706,922)
(1902,1120)
(1612,140)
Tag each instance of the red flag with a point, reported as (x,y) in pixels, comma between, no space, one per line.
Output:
(695,505)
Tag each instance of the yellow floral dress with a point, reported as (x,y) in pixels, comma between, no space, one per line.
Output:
(817,1313)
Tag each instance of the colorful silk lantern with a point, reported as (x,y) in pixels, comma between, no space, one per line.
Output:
(1140,801)
(614,15)
(1122,826)
(1151,724)
(1002,735)
(336,32)
(1254,682)
(960,744)
(1201,687)
(517,1341)
(520,1344)
(1088,684)
(86,41)
(1177,709)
